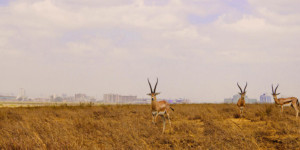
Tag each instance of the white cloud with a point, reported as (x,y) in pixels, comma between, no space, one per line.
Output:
(247,24)
(92,47)
(277,6)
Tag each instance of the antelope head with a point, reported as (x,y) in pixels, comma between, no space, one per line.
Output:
(274,92)
(242,93)
(153,92)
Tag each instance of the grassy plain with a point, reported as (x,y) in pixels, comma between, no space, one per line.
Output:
(194,126)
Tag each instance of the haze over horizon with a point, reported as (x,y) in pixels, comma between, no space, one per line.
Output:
(199,49)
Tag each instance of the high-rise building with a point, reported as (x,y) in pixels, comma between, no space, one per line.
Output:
(228,100)
(265,98)
(21,96)
(115,98)
(81,97)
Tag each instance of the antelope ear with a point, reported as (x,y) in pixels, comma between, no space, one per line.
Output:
(278,94)
(157,93)
(149,94)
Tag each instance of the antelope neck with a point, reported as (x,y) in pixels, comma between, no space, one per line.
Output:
(153,104)
(275,99)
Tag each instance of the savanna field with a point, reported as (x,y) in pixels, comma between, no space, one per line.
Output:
(194,126)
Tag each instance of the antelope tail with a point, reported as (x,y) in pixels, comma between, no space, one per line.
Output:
(173,108)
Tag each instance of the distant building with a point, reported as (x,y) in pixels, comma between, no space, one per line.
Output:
(236,97)
(179,101)
(39,99)
(21,96)
(111,98)
(228,100)
(141,101)
(7,98)
(251,100)
(64,95)
(81,97)
(115,98)
(127,99)
(265,98)
(53,97)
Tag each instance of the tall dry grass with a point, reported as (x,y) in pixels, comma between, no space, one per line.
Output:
(202,126)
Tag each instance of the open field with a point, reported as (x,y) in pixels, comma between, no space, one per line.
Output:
(194,126)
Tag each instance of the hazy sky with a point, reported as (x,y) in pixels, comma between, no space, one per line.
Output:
(198,49)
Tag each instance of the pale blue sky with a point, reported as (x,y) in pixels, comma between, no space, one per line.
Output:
(4,2)
(198,49)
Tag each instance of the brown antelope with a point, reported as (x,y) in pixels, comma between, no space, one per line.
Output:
(290,101)
(241,101)
(159,107)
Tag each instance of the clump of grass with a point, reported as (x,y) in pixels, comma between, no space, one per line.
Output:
(11,115)
(269,110)
(195,117)
(63,105)
(227,109)
(236,115)
(89,104)
(261,115)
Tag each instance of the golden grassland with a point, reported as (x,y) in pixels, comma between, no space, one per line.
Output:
(194,126)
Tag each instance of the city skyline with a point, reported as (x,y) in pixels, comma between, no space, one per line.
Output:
(198,49)
(98,98)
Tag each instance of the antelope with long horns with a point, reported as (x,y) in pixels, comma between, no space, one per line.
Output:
(159,107)
(241,102)
(290,101)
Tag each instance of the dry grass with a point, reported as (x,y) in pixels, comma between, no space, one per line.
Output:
(203,126)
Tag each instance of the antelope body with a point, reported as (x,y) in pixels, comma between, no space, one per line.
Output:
(159,107)
(241,102)
(290,101)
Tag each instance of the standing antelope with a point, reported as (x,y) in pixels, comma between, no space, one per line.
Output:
(159,107)
(241,101)
(290,101)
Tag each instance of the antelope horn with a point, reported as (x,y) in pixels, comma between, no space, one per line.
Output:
(276,88)
(150,85)
(240,87)
(272,89)
(155,85)
(245,87)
